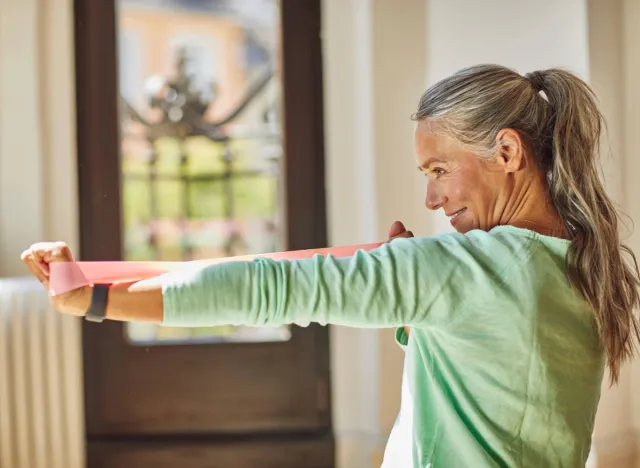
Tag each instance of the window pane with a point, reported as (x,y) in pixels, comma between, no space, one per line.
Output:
(201,143)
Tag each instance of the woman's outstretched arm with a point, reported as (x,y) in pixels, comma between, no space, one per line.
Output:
(381,288)
(135,302)
(394,285)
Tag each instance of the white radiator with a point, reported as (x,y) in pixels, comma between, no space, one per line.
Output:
(41,398)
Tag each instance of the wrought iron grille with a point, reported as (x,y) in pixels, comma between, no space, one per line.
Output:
(182,116)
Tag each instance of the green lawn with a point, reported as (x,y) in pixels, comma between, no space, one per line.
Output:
(254,198)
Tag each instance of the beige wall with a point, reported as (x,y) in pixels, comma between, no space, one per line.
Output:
(400,45)
(375,57)
(37,128)
(631,165)
(615,64)
(615,437)
(38,197)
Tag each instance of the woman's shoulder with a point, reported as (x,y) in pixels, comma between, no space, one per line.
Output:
(501,239)
(503,248)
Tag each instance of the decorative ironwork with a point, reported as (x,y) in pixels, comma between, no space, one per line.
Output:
(181,112)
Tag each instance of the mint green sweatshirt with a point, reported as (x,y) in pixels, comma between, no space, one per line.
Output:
(503,364)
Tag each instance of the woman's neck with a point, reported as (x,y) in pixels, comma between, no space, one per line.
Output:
(534,210)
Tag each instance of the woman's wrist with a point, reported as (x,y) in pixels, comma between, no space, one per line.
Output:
(138,302)
(76,302)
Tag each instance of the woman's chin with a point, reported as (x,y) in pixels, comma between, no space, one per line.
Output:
(461,224)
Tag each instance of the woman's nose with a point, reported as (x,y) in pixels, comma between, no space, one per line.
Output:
(434,199)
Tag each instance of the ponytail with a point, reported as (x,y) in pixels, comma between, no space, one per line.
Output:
(596,261)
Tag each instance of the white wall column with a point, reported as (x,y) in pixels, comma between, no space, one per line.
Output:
(38,175)
(374,63)
(352,216)
(38,198)
(631,168)
(21,172)
(399,70)
(614,439)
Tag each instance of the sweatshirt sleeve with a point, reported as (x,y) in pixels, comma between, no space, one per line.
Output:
(398,284)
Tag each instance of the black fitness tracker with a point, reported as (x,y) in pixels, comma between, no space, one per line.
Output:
(98,309)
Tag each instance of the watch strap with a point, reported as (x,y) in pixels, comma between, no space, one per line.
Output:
(98,308)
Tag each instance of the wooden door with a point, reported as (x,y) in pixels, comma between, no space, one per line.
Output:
(221,397)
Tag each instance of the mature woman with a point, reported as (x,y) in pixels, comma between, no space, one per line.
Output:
(507,323)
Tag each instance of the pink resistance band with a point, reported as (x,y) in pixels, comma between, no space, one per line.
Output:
(67,276)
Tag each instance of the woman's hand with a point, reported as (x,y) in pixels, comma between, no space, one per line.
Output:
(397,230)
(38,259)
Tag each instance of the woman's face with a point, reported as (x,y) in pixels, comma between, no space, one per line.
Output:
(473,191)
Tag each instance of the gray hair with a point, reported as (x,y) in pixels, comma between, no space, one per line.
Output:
(557,116)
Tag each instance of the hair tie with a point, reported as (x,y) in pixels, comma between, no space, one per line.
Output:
(537,80)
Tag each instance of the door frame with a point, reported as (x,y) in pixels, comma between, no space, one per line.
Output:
(98,143)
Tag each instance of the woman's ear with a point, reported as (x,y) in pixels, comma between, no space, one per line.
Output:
(510,152)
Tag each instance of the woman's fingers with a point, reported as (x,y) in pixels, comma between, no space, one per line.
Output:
(39,256)
(398,230)
(33,266)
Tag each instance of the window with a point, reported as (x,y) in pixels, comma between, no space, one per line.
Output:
(201,144)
